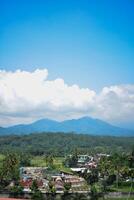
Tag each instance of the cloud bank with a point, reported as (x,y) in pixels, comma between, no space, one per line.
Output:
(28,96)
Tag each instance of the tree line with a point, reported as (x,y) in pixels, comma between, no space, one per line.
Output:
(62,144)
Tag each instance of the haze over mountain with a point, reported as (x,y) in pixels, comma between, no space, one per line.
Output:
(85,125)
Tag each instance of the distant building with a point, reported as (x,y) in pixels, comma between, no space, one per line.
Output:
(75,181)
(82,159)
(28,174)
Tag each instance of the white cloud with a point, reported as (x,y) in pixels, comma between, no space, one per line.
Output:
(28,96)
(117,103)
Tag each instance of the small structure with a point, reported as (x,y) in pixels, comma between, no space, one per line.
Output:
(59,184)
(78,169)
(75,181)
(91,165)
(82,159)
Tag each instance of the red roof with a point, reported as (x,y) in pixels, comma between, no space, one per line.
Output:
(28,183)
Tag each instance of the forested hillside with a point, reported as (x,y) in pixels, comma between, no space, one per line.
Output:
(60,144)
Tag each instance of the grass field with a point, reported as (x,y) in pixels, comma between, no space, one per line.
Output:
(39,161)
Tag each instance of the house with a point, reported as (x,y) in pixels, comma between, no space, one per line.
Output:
(59,181)
(82,159)
(32,172)
(74,180)
(59,184)
(91,165)
(28,174)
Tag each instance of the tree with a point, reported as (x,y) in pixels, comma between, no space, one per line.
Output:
(71,161)
(117,161)
(131,159)
(111,179)
(67,187)
(16,191)
(24,160)
(91,177)
(34,186)
(66,194)
(10,168)
(36,193)
(52,187)
(94,193)
(49,161)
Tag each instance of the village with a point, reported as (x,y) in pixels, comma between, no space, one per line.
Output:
(74,175)
(44,176)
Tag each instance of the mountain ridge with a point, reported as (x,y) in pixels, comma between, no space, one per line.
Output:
(85,125)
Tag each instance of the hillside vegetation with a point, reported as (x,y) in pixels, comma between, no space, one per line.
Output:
(60,144)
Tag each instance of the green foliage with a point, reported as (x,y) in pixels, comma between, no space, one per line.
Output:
(94,193)
(24,160)
(49,161)
(67,187)
(37,195)
(91,177)
(111,179)
(34,186)
(10,168)
(16,191)
(52,188)
(71,161)
(131,158)
(64,143)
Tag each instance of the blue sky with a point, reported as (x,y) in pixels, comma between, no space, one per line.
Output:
(89,42)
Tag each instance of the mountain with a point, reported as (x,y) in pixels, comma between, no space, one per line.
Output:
(38,126)
(85,125)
